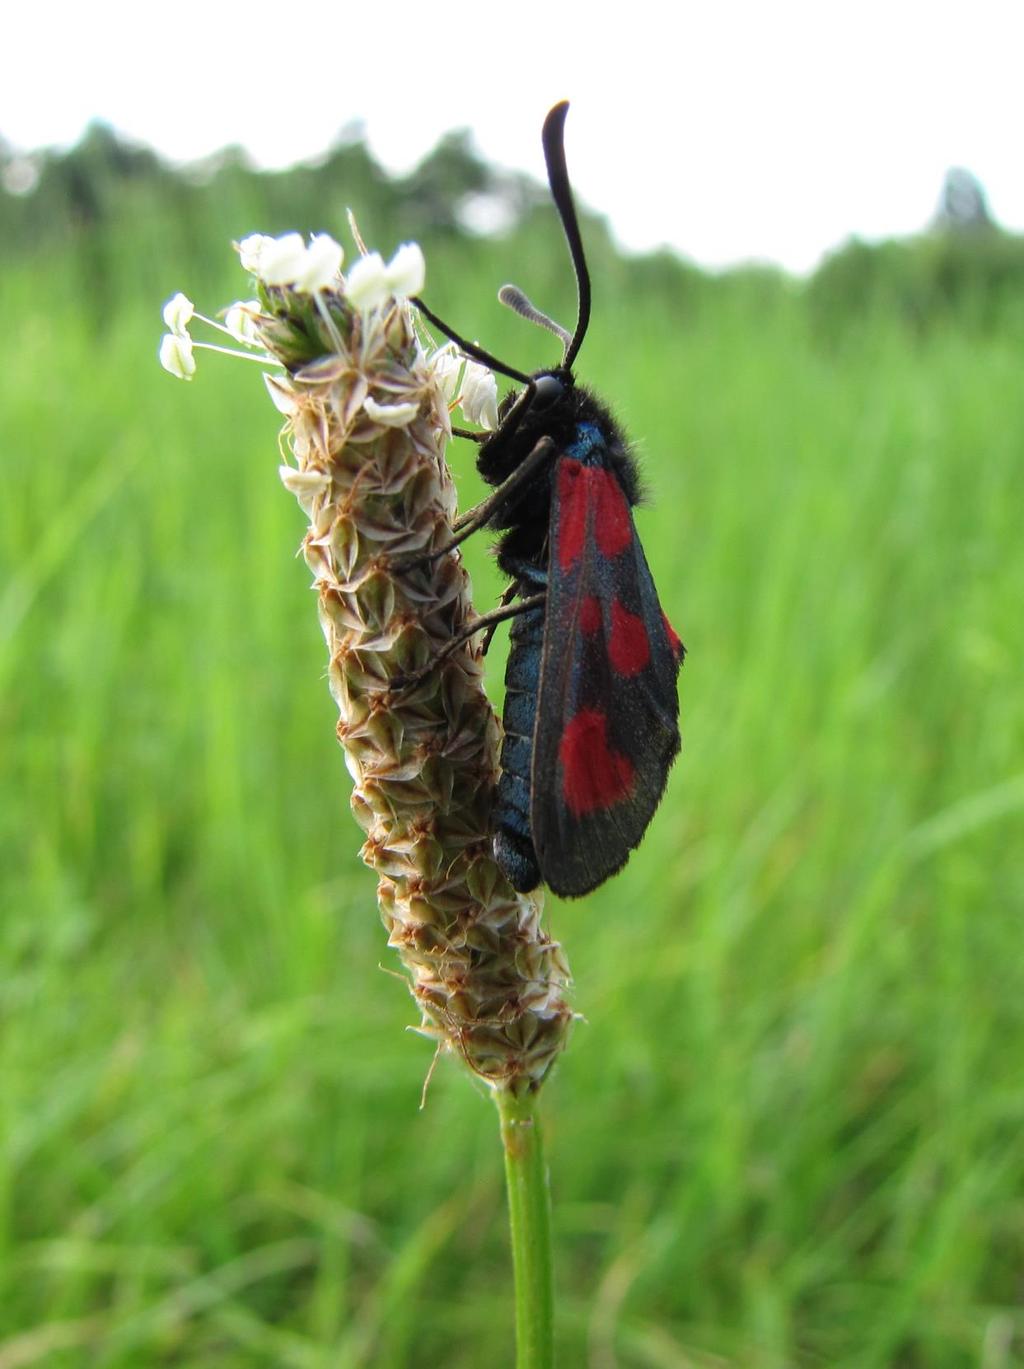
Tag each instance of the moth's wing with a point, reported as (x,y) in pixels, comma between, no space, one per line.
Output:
(607,726)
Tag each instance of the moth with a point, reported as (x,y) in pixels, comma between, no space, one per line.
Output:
(591,715)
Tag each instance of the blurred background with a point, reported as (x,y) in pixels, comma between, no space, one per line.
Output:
(787,1132)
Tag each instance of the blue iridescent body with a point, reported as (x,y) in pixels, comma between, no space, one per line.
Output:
(513,842)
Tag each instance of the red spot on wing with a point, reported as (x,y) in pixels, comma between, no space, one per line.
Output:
(678,650)
(629,648)
(572,503)
(590,614)
(613,524)
(580,489)
(594,777)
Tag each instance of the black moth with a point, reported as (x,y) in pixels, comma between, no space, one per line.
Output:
(591,710)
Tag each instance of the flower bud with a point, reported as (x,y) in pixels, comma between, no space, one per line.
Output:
(176,356)
(178,314)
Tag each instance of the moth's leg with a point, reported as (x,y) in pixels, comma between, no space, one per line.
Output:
(476,517)
(508,595)
(488,621)
(470,434)
(526,574)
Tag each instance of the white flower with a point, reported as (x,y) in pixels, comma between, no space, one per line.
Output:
(178,313)
(406,271)
(390,415)
(282,260)
(322,264)
(446,364)
(479,398)
(250,250)
(176,356)
(367,283)
(240,321)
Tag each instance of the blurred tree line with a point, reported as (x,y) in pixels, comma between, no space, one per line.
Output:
(964,268)
(113,224)
(125,223)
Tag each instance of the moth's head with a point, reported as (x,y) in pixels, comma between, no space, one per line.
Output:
(549,388)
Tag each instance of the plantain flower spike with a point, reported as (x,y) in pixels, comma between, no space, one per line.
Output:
(366,423)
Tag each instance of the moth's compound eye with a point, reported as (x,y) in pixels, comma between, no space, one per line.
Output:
(549,388)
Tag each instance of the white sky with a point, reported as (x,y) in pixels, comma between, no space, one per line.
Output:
(729,130)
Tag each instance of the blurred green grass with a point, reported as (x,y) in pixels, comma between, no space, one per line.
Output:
(787,1133)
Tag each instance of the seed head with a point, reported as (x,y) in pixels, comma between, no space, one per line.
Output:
(367,422)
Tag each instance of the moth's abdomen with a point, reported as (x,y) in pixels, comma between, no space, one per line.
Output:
(513,840)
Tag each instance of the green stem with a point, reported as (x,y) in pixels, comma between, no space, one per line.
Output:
(529,1210)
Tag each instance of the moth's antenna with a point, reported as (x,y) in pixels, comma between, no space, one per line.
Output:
(470,348)
(561,193)
(516,300)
